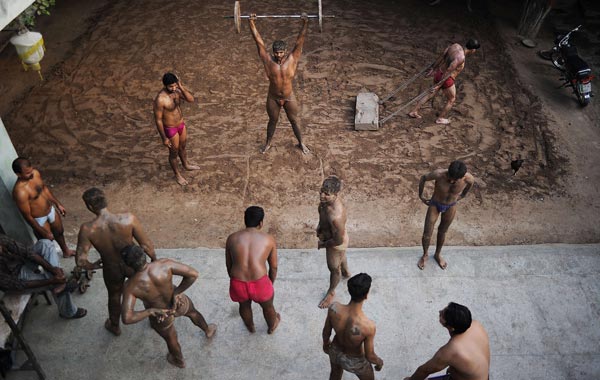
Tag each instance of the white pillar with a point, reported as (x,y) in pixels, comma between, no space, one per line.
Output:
(11,220)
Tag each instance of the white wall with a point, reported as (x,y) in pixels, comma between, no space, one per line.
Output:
(11,220)
(10,9)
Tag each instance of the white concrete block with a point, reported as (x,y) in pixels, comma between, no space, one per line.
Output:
(366,117)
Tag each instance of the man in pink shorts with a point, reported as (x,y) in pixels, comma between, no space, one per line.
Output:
(246,255)
(170,124)
(445,69)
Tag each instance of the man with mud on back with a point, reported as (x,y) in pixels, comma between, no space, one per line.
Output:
(353,347)
(109,233)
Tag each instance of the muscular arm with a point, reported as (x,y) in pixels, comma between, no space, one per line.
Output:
(272,260)
(297,50)
(48,194)
(129,315)
(228,258)
(185,93)
(260,44)
(22,200)
(338,231)
(427,177)
(370,355)
(470,181)
(188,273)
(143,240)
(83,247)
(433,365)
(158,118)
(327,333)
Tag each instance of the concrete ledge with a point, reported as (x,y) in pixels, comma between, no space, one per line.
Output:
(366,117)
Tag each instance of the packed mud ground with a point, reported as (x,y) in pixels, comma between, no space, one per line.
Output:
(91,124)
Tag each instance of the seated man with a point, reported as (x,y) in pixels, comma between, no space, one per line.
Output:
(19,272)
(152,283)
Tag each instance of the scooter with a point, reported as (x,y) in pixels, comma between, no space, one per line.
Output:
(576,72)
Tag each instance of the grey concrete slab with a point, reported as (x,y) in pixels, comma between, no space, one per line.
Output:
(540,305)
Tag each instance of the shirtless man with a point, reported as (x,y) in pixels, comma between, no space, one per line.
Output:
(445,69)
(467,353)
(170,124)
(38,205)
(152,283)
(332,235)
(246,254)
(353,347)
(451,185)
(281,69)
(109,233)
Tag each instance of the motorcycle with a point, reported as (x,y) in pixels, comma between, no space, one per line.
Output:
(576,72)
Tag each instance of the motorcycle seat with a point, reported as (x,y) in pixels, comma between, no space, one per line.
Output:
(578,66)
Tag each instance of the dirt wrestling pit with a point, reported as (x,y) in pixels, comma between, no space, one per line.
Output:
(91,124)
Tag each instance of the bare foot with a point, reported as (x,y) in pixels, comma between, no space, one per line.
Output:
(191,167)
(69,253)
(441,262)
(326,301)
(115,330)
(304,149)
(442,120)
(415,115)
(210,330)
(180,180)
(421,263)
(264,149)
(272,329)
(176,362)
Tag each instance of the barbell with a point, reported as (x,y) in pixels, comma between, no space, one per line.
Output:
(238,16)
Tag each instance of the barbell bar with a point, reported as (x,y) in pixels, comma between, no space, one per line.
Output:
(238,16)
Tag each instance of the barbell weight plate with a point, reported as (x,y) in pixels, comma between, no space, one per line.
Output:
(320,17)
(237,16)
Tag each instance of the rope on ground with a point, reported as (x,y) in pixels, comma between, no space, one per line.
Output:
(416,98)
(405,84)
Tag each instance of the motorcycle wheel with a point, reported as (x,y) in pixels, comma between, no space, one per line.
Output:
(557,60)
(583,101)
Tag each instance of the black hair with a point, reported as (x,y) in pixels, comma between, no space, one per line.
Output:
(253,216)
(472,44)
(95,198)
(332,185)
(457,169)
(169,78)
(19,164)
(279,45)
(134,257)
(458,317)
(358,287)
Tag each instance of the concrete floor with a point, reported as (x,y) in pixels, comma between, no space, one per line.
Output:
(540,305)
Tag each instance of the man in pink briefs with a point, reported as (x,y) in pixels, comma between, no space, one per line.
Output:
(246,255)
(170,124)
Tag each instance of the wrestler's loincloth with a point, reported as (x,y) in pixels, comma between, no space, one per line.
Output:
(51,217)
(343,246)
(358,365)
(259,291)
(176,130)
(441,207)
(181,309)
(281,102)
(438,77)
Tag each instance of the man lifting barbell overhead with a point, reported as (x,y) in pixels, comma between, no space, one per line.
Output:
(281,69)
